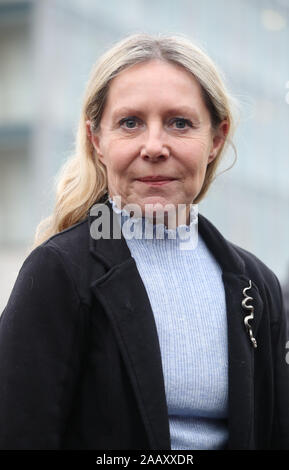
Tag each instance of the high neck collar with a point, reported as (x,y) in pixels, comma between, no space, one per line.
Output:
(115,251)
(144,228)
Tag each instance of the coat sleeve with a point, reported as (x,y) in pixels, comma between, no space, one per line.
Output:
(41,332)
(280,345)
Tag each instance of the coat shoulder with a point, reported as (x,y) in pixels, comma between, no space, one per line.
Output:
(68,250)
(238,258)
(251,262)
(70,239)
(254,263)
(269,279)
(71,245)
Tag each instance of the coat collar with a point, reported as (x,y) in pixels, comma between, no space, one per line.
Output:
(124,298)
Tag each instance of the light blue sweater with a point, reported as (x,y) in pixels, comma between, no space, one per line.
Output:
(186,293)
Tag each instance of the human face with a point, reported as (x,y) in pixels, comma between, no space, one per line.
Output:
(156,126)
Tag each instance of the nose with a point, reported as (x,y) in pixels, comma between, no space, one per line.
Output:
(154,148)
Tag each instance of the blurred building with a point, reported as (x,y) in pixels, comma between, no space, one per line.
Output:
(47,48)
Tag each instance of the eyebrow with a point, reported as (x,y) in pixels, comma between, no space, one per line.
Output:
(178,110)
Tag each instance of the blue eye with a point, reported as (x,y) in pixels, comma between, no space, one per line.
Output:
(184,122)
(130,122)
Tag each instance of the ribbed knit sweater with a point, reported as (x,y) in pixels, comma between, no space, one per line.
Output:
(186,293)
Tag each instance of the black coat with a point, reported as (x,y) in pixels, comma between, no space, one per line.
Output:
(80,363)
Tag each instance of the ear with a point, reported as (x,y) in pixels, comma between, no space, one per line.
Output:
(94,139)
(219,138)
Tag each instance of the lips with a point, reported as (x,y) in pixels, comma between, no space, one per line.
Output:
(156,178)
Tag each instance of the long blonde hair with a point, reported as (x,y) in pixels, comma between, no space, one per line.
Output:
(82,179)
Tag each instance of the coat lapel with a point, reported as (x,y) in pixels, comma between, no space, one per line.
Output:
(240,348)
(124,298)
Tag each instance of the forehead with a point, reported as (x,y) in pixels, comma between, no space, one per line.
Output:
(154,83)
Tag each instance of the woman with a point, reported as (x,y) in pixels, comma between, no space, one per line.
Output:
(120,342)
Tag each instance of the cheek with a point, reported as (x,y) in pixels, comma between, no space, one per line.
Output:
(194,154)
(199,145)
(122,154)
(116,159)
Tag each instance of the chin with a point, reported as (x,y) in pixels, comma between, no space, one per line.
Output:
(156,200)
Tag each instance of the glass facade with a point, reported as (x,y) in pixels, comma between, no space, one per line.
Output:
(47,49)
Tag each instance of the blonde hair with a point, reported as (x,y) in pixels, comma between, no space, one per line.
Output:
(82,179)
